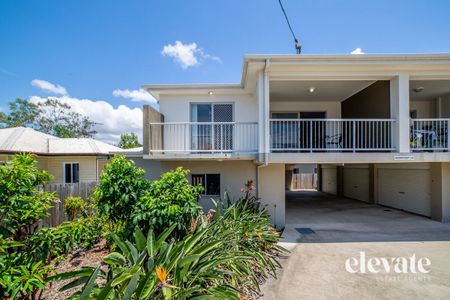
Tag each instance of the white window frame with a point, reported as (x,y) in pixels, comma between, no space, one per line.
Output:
(205,185)
(71,168)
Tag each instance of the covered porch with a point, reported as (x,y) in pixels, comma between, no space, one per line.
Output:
(398,114)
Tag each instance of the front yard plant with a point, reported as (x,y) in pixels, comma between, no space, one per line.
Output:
(120,187)
(169,200)
(26,251)
(163,246)
(225,258)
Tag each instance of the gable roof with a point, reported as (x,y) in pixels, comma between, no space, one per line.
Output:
(21,139)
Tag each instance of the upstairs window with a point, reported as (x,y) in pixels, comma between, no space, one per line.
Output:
(209,182)
(71,172)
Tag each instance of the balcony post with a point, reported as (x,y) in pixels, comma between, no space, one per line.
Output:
(354,135)
(260,115)
(448,135)
(266,110)
(399,103)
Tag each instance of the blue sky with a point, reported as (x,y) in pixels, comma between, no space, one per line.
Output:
(92,48)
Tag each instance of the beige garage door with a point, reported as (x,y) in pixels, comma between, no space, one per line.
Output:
(329,180)
(356,183)
(409,190)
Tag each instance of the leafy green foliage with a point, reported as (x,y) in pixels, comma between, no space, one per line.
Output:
(169,200)
(51,116)
(129,140)
(74,206)
(22,205)
(22,113)
(58,119)
(224,259)
(51,242)
(120,187)
(23,270)
(20,276)
(25,252)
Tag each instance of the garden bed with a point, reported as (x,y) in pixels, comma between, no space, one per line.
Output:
(75,261)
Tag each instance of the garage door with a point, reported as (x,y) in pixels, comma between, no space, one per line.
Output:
(329,180)
(409,190)
(356,183)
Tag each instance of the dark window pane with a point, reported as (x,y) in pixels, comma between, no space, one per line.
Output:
(213,184)
(75,173)
(292,115)
(204,113)
(68,173)
(199,179)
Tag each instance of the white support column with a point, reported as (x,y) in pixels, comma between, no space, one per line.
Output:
(399,90)
(266,112)
(261,123)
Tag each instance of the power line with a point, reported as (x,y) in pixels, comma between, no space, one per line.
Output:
(298,46)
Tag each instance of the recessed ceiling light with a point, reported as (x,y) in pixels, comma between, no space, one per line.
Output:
(210,93)
(418,89)
(311,89)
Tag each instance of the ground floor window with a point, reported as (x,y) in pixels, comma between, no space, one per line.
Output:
(209,182)
(71,172)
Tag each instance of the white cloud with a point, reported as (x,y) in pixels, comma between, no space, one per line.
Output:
(112,121)
(140,95)
(357,51)
(187,55)
(49,87)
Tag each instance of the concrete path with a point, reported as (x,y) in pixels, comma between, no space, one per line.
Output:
(343,228)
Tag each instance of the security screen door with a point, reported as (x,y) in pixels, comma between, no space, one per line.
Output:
(215,134)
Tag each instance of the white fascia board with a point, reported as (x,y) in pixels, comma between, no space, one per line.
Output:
(192,89)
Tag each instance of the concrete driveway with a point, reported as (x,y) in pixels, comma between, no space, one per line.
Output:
(343,228)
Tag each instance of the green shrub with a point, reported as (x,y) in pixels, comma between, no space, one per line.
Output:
(120,187)
(169,200)
(26,253)
(22,205)
(21,276)
(74,206)
(49,243)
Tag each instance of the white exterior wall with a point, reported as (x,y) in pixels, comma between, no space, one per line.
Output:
(271,191)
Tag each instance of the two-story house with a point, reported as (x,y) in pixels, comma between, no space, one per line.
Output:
(376,126)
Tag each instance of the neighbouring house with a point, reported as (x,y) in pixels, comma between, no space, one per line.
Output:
(69,160)
(375,127)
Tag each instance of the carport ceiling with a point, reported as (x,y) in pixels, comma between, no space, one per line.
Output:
(431,89)
(324,90)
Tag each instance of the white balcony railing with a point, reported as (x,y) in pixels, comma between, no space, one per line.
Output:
(429,135)
(203,137)
(331,135)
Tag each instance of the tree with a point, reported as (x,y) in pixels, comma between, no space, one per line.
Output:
(21,113)
(57,118)
(120,187)
(129,140)
(51,116)
(22,204)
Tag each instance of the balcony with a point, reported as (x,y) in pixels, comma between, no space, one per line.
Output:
(203,138)
(430,135)
(331,135)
